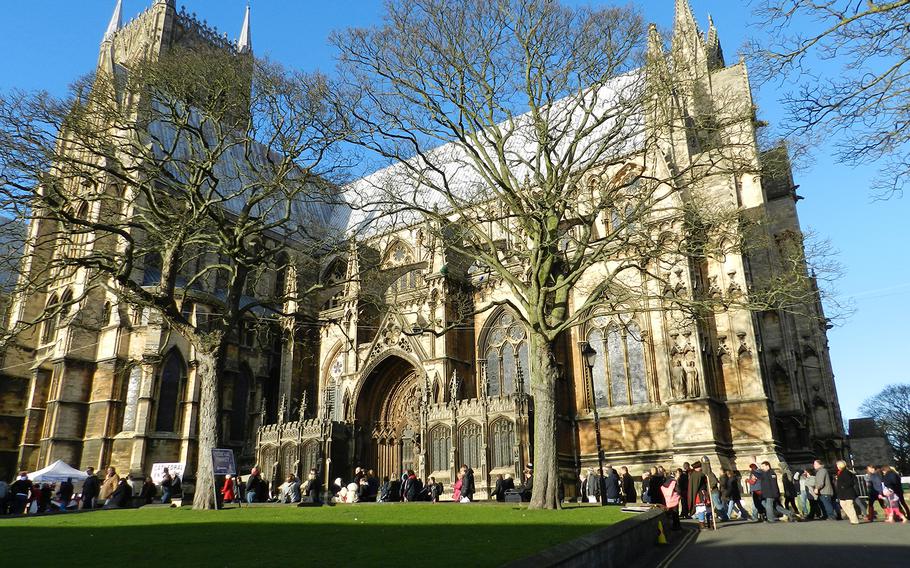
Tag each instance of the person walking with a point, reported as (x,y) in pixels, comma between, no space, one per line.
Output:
(109,485)
(815,509)
(770,492)
(874,488)
(655,481)
(892,480)
(824,490)
(790,489)
(754,484)
(733,492)
(845,489)
(19,491)
(699,496)
(592,486)
(670,489)
(628,486)
(467,484)
(682,486)
(91,487)
(227,490)
(121,497)
(611,487)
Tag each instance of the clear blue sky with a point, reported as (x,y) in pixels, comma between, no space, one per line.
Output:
(48,43)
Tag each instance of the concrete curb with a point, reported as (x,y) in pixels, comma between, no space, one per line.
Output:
(615,546)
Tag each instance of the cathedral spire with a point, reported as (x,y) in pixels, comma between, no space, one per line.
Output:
(715,52)
(245,43)
(116,21)
(684,21)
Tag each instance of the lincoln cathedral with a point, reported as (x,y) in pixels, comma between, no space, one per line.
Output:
(361,388)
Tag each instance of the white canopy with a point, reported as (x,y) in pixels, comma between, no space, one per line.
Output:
(57,471)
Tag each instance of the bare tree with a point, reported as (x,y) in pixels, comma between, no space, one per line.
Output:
(864,99)
(558,153)
(196,188)
(891,411)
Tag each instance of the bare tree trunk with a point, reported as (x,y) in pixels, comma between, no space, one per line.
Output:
(544,373)
(208,429)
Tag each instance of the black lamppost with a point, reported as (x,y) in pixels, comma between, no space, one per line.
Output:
(590,358)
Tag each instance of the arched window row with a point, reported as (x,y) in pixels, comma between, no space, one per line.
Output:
(620,372)
(470,446)
(57,308)
(411,280)
(505,353)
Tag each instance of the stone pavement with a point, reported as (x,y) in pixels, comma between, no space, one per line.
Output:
(836,543)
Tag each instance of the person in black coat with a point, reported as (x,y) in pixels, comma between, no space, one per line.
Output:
(498,492)
(611,486)
(892,480)
(411,487)
(770,493)
(845,490)
(682,485)
(467,483)
(654,483)
(629,495)
(90,489)
(121,497)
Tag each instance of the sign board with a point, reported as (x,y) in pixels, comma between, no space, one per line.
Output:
(223,462)
(172,468)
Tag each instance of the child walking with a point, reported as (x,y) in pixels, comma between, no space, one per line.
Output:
(893,508)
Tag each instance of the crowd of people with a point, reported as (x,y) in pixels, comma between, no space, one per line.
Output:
(693,491)
(24,496)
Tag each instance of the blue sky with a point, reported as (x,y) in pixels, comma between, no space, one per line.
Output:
(48,43)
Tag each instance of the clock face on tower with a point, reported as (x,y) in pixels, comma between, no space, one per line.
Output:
(337,366)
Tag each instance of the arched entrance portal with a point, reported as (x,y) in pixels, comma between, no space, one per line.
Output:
(388,418)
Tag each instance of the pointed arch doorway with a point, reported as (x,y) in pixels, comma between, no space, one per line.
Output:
(388,416)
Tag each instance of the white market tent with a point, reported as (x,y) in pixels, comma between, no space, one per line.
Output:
(57,471)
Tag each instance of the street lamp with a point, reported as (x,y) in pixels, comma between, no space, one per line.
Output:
(590,358)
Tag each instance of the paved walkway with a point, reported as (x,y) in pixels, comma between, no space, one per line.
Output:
(835,543)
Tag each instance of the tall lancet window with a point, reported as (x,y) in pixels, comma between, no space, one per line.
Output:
(620,371)
(170,387)
(506,352)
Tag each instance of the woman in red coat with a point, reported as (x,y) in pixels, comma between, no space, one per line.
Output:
(228,490)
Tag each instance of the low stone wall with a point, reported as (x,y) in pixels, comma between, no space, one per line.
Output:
(615,546)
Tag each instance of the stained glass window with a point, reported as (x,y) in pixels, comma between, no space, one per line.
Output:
(172,375)
(506,349)
(620,370)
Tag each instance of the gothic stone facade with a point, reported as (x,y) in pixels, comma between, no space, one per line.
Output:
(367,391)
(737,387)
(107,384)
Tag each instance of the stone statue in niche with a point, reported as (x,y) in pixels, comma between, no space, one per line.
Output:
(694,388)
(678,380)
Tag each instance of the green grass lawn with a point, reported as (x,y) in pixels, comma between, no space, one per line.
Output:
(365,535)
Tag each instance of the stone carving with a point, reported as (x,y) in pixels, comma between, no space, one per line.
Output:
(692,380)
(678,380)
(303,407)
(282,409)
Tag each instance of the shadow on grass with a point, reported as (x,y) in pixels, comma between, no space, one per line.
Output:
(366,535)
